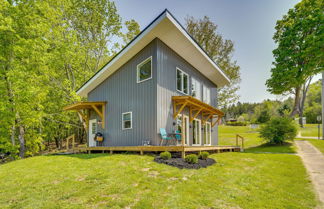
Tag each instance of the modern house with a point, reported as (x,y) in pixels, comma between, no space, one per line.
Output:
(161,79)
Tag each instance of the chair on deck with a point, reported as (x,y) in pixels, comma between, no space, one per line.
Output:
(164,135)
(177,135)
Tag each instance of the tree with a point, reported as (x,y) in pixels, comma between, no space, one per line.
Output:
(299,54)
(204,31)
(48,49)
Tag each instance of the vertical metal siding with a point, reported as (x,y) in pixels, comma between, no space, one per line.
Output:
(124,94)
(167,62)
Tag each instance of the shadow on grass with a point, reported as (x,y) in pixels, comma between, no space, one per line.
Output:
(272,148)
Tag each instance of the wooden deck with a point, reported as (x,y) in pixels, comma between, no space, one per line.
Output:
(182,149)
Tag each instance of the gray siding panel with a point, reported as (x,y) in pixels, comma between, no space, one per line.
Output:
(124,94)
(167,63)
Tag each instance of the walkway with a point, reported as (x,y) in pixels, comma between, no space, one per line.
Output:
(313,160)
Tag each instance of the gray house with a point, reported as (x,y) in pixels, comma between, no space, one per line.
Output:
(161,79)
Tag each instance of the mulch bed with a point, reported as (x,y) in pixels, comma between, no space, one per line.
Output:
(181,163)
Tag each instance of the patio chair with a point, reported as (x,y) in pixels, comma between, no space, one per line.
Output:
(177,135)
(164,135)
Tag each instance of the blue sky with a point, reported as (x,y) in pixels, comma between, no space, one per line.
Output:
(249,24)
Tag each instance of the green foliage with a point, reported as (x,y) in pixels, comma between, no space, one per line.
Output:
(278,130)
(204,31)
(236,123)
(192,159)
(313,106)
(299,54)
(48,50)
(203,155)
(165,155)
(263,117)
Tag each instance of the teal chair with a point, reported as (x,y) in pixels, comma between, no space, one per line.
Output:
(164,136)
(178,135)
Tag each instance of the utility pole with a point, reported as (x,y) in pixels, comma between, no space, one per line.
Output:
(322,104)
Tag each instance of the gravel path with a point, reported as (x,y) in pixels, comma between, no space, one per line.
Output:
(313,160)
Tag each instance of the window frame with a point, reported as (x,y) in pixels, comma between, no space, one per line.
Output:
(182,83)
(140,65)
(204,98)
(131,120)
(209,133)
(196,84)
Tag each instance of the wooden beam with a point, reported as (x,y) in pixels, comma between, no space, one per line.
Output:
(176,113)
(196,114)
(213,124)
(97,111)
(207,118)
(103,110)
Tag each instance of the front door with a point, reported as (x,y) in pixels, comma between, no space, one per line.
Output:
(92,132)
(207,133)
(196,132)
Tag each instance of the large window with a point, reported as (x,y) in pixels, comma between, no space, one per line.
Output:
(127,120)
(182,81)
(206,95)
(195,89)
(144,70)
(196,128)
(207,133)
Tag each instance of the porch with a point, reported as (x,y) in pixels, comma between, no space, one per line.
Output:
(142,149)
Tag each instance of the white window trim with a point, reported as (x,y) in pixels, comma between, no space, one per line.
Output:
(182,81)
(200,142)
(193,80)
(131,120)
(205,131)
(204,98)
(139,65)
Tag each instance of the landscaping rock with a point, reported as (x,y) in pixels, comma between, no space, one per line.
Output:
(181,163)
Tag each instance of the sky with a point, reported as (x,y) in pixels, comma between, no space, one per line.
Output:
(248,23)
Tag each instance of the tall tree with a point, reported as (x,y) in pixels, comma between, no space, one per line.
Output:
(299,54)
(204,31)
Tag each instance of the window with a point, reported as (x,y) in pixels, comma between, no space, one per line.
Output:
(206,95)
(127,120)
(144,70)
(207,133)
(195,89)
(196,127)
(182,81)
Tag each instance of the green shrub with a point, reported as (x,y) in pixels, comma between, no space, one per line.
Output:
(165,155)
(203,155)
(237,123)
(192,159)
(279,130)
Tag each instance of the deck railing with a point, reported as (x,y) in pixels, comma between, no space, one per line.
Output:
(242,141)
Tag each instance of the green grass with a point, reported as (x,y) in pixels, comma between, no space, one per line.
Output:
(237,180)
(318,143)
(309,130)
(252,141)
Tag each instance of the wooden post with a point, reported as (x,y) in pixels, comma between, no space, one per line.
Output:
(141,152)
(67,143)
(73,141)
(183,154)
(237,140)
(111,152)
(182,130)
(242,144)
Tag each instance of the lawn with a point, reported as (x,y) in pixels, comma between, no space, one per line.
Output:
(309,130)
(237,180)
(319,144)
(252,141)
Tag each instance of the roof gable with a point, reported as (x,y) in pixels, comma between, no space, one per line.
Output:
(170,31)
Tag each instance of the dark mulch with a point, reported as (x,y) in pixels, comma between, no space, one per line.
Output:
(181,163)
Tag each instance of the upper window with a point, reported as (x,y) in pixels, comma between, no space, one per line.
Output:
(206,95)
(195,89)
(144,70)
(127,120)
(182,81)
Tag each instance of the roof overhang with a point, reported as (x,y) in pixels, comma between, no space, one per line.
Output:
(167,29)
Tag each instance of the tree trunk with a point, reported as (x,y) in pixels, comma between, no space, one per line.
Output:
(13,133)
(21,141)
(296,109)
(303,100)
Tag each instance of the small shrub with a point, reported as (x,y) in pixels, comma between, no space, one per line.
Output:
(192,159)
(203,155)
(165,155)
(279,130)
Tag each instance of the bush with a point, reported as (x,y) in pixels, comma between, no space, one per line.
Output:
(236,123)
(165,155)
(203,155)
(192,159)
(279,130)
